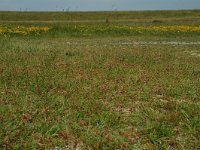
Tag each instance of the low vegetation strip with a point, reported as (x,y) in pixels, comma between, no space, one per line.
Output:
(22,30)
(98,29)
(138,43)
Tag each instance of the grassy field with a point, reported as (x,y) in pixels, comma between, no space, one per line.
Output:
(128,17)
(75,80)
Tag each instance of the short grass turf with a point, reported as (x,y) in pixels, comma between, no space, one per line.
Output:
(98,94)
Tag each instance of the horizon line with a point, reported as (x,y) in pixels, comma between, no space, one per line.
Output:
(136,10)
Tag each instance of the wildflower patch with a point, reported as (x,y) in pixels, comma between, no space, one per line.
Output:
(22,30)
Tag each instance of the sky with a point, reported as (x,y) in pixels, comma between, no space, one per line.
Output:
(96,5)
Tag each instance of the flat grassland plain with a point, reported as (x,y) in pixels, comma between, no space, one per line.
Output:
(100,80)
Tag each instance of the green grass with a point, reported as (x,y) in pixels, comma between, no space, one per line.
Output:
(93,92)
(126,17)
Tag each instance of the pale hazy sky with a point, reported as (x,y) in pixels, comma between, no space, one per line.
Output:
(97,5)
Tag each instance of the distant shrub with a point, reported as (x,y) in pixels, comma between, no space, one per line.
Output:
(107,21)
(157,21)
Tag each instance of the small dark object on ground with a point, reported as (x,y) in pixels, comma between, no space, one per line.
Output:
(157,21)
(70,54)
(107,21)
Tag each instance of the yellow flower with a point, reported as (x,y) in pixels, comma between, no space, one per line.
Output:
(22,30)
